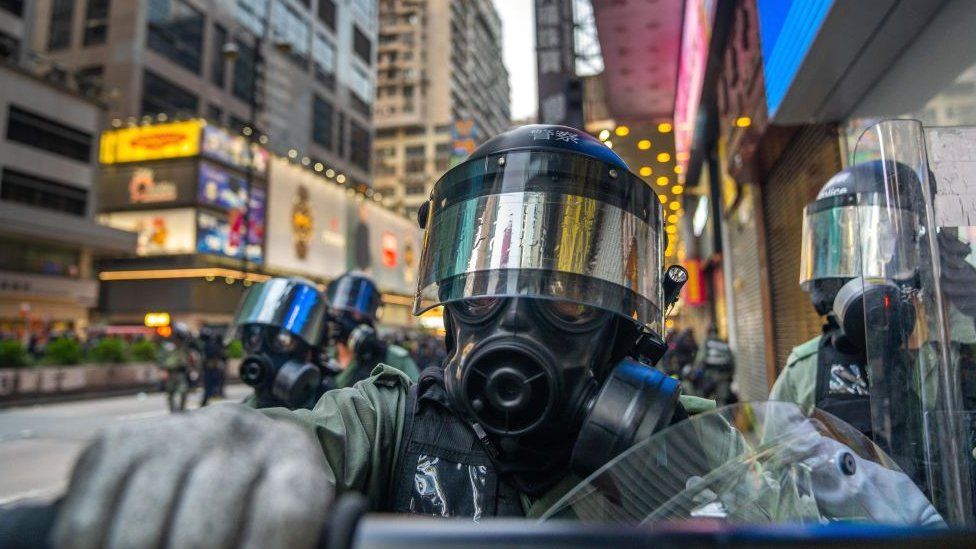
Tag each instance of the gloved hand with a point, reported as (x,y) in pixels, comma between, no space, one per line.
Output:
(224,476)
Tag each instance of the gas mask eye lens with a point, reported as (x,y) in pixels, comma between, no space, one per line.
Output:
(570,312)
(284,341)
(252,338)
(477,308)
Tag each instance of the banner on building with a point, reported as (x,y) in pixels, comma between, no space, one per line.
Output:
(234,150)
(147,185)
(384,245)
(157,142)
(160,231)
(464,140)
(306,222)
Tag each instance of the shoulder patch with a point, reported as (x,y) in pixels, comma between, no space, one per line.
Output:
(802,351)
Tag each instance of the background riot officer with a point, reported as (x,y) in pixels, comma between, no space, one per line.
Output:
(355,300)
(545,251)
(830,370)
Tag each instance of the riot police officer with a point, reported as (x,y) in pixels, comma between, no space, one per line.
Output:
(355,300)
(830,371)
(544,250)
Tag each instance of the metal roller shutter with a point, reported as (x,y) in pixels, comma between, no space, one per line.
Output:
(808,161)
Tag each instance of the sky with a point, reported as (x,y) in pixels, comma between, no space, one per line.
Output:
(518,44)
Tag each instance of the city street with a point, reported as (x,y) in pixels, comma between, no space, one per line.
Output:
(38,444)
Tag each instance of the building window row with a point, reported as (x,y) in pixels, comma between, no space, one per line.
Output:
(176,32)
(38,131)
(162,96)
(24,188)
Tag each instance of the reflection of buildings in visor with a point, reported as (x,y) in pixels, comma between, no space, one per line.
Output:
(547,225)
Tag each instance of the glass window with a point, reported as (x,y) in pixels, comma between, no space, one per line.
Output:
(360,145)
(15,7)
(245,65)
(215,114)
(89,80)
(327,13)
(361,85)
(322,122)
(288,26)
(36,130)
(96,22)
(324,60)
(341,133)
(38,258)
(176,31)
(162,96)
(365,9)
(251,14)
(362,45)
(218,64)
(17,186)
(59,33)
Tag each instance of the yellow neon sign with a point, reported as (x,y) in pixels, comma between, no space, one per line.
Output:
(156,320)
(157,142)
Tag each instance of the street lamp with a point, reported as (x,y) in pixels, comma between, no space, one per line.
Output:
(231,52)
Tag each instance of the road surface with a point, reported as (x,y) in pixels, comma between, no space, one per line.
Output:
(39,444)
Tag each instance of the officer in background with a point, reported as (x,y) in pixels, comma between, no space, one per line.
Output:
(716,367)
(544,250)
(355,299)
(829,372)
(175,359)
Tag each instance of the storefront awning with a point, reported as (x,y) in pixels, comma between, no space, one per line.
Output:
(30,223)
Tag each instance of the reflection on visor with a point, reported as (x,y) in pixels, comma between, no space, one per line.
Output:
(836,240)
(541,244)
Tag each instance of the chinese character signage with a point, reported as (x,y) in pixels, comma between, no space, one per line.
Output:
(161,141)
(556,63)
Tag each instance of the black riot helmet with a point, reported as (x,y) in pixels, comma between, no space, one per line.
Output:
(546,252)
(850,244)
(355,300)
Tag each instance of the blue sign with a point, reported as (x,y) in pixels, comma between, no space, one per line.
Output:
(220,189)
(787,28)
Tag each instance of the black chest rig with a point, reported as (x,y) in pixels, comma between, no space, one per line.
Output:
(842,383)
(443,470)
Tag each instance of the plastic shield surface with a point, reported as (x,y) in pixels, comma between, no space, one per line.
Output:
(292,304)
(920,348)
(753,463)
(546,225)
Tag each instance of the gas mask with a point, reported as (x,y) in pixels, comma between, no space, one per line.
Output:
(547,376)
(360,337)
(878,304)
(278,366)
(281,323)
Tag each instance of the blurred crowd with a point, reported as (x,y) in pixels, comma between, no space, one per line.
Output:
(704,370)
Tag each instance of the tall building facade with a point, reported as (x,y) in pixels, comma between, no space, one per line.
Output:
(311,80)
(441,89)
(48,172)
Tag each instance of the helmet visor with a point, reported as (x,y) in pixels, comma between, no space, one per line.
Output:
(356,294)
(849,236)
(544,225)
(290,304)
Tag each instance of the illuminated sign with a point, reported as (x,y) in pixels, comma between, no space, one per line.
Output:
(691,74)
(144,189)
(159,231)
(234,150)
(787,29)
(174,140)
(156,320)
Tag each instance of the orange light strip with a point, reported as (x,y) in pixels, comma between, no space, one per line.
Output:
(158,274)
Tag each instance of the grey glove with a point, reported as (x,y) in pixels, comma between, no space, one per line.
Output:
(224,476)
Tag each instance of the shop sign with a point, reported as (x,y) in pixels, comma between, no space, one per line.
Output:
(691,74)
(159,231)
(157,142)
(234,150)
(156,320)
(153,183)
(693,291)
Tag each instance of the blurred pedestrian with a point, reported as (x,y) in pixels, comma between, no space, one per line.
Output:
(214,365)
(717,366)
(175,362)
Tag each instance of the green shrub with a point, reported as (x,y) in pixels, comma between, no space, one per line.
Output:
(235,349)
(110,350)
(13,354)
(63,351)
(143,350)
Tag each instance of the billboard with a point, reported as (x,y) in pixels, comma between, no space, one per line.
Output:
(233,150)
(157,142)
(222,232)
(384,245)
(152,184)
(160,231)
(691,74)
(306,222)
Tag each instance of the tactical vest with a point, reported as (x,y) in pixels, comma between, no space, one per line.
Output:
(443,469)
(842,385)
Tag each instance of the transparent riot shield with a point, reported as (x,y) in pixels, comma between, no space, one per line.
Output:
(917,296)
(751,463)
